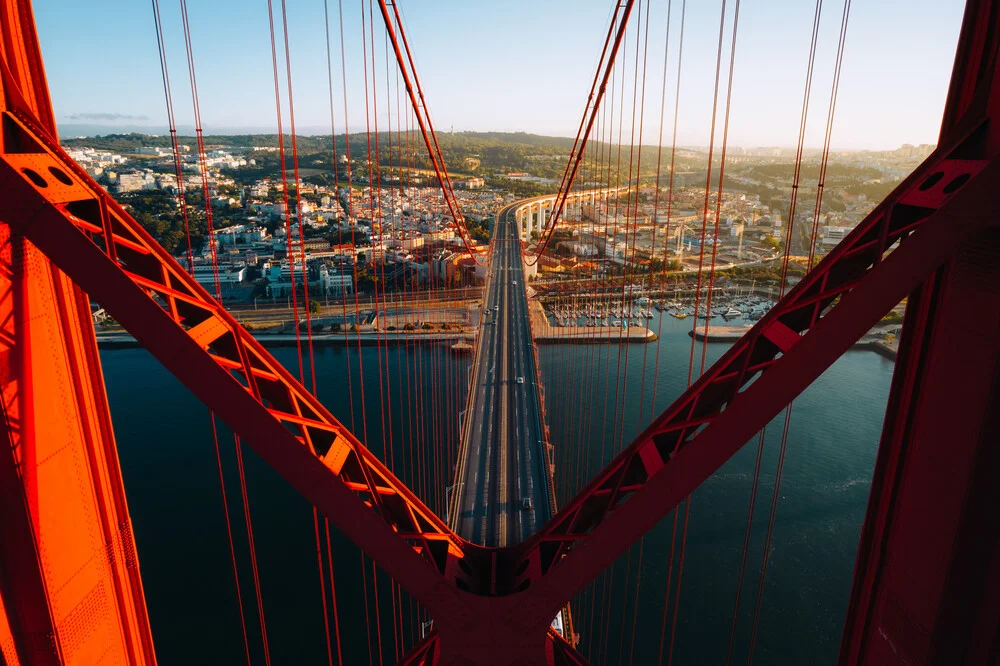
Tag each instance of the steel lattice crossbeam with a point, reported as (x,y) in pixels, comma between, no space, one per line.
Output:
(471,592)
(175,317)
(785,326)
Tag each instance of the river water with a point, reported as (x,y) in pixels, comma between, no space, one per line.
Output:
(170,471)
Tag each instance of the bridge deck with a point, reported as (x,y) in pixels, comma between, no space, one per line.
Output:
(502,481)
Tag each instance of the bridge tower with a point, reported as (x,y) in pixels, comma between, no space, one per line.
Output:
(70,589)
(926,588)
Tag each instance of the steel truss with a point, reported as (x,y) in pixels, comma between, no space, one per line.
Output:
(495,606)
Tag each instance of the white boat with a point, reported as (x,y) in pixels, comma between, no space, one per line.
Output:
(732,312)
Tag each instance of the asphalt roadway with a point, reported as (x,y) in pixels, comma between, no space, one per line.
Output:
(500,496)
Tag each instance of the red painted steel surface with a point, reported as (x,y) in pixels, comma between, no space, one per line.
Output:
(72,219)
(944,201)
(70,590)
(927,581)
(946,209)
(639,501)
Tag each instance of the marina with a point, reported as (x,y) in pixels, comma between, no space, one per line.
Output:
(741,306)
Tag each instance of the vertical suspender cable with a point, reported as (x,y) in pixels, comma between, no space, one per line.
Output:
(608,577)
(298,206)
(202,162)
(573,393)
(290,248)
(305,282)
(382,348)
(253,549)
(397,602)
(602,598)
(591,420)
(761,436)
(839,60)
(629,259)
(373,175)
(351,212)
(746,545)
(200,139)
(364,573)
(708,185)
(336,187)
(722,176)
(708,189)
(181,196)
(819,200)
(606,637)
(673,150)
(368,626)
(586,123)
(182,203)
(666,593)
(656,202)
(642,113)
(333,591)
(350,387)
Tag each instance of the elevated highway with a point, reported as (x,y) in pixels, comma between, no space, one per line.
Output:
(502,485)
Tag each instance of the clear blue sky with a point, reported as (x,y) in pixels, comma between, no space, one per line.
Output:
(515,65)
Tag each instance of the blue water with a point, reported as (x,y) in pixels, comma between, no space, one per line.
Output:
(169,467)
(832,442)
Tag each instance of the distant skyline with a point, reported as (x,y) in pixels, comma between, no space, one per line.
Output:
(511,66)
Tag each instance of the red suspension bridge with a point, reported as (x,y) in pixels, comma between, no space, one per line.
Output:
(483,565)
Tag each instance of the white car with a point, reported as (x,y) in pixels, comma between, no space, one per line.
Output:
(520,380)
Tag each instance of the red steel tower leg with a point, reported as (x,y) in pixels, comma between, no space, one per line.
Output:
(927,581)
(70,590)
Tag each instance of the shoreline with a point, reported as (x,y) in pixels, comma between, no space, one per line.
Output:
(734,333)
(126,341)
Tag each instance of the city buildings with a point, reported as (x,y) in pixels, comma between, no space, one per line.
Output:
(342,236)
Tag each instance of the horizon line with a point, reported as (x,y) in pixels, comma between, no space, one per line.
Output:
(93,131)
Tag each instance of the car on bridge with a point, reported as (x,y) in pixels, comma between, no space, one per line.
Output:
(526,504)
(520,380)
